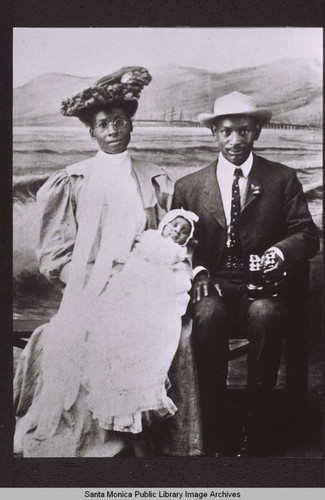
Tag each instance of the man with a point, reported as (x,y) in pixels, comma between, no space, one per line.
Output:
(246,205)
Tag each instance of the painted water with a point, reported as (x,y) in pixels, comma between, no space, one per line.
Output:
(40,151)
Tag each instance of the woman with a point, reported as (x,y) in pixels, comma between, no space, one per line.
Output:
(90,214)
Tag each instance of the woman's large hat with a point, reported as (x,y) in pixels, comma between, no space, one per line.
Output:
(124,85)
(235,103)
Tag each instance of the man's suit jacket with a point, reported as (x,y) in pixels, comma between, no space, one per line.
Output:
(274,213)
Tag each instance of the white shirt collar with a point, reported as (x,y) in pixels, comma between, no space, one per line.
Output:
(228,168)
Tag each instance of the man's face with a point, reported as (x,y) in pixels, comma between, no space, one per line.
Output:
(235,136)
(178,229)
(112,130)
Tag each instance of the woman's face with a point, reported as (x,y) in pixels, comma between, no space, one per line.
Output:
(112,130)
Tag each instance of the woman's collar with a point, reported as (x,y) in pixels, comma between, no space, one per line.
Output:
(112,158)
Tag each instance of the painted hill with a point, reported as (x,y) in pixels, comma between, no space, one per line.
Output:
(291,87)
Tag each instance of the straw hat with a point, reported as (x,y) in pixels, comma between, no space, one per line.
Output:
(235,103)
(124,85)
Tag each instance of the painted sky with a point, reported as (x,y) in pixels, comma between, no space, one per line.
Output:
(97,51)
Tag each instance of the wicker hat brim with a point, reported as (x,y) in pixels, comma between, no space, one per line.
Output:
(130,107)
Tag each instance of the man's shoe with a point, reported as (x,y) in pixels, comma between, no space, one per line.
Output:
(219,450)
(247,446)
(223,453)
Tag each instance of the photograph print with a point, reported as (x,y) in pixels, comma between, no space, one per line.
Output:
(167,242)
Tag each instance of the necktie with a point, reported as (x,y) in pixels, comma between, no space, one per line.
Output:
(234,241)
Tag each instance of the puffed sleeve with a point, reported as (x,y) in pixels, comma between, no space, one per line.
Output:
(57,224)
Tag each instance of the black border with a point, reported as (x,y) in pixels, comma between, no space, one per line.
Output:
(162,472)
(6,420)
(153,13)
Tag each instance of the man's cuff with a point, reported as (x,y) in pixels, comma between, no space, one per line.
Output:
(199,269)
(277,251)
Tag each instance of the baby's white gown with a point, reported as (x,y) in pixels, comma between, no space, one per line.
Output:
(134,334)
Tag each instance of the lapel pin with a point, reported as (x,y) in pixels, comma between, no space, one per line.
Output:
(255,189)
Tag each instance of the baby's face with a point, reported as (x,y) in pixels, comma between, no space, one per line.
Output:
(178,229)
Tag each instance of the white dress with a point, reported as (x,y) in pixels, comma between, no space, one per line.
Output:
(134,334)
(78,433)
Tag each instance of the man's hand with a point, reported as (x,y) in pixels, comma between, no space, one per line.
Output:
(200,287)
(273,266)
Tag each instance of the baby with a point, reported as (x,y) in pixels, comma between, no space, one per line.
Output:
(136,328)
(178,229)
